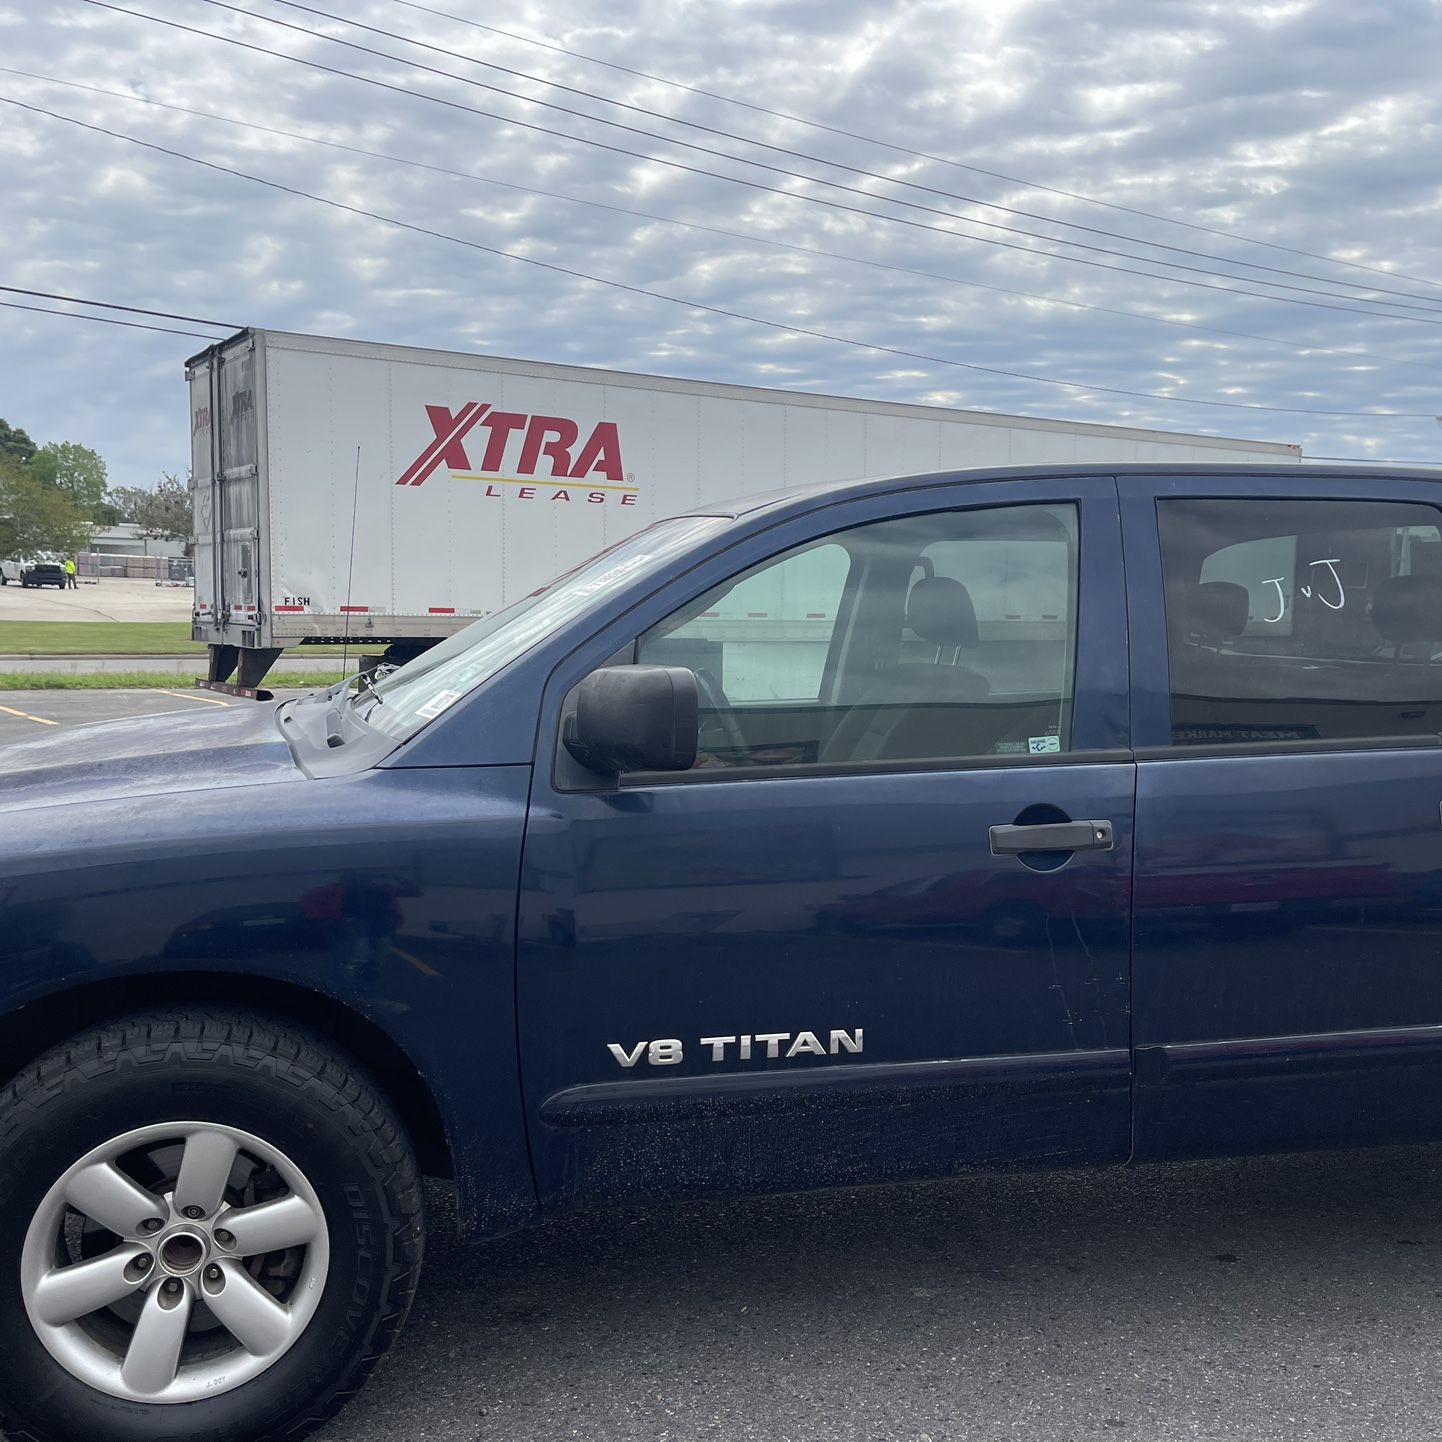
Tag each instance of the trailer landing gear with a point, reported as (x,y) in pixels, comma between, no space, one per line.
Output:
(252,665)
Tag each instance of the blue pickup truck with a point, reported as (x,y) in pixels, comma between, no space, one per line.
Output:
(986,819)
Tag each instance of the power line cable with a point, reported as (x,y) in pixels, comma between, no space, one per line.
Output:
(103,319)
(809,158)
(749,184)
(744,236)
(1374,461)
(759,109)
(698,305)
(111,305)
(1430,306)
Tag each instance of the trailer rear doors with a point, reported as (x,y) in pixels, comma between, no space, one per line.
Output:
(225,444)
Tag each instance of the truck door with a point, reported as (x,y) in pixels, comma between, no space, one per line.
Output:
(882,928)
(1287,694)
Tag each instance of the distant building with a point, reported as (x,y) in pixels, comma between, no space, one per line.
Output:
(126,540)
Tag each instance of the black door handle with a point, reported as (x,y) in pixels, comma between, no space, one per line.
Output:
(1051,836)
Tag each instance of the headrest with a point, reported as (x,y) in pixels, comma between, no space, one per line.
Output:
(1408,608)
(1217,610)
(939,610)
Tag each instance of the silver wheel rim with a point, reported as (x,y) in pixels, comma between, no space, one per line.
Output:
(175,1262)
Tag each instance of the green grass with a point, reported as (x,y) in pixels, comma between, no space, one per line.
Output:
(115,638)
(147,680)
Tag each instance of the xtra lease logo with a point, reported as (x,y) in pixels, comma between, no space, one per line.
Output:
(549,461)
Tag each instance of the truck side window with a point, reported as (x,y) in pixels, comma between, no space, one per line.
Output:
(1302,619)
(766,637)
(934,636)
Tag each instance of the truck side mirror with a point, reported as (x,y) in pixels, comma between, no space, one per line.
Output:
(634,718)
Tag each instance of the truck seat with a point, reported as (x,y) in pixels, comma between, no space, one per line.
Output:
(923,708)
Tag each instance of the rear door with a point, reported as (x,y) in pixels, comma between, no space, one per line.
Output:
(1287,696)
(847,944)
(225,480)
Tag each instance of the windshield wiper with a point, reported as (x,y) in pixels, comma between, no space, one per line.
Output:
(369,687)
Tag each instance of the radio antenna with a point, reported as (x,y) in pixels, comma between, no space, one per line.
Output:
(350,578)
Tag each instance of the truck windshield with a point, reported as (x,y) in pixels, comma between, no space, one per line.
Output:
(402,702)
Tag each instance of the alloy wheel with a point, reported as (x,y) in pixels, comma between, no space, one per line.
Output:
(175,1262)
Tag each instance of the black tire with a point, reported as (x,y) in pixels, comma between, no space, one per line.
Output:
(258,1076)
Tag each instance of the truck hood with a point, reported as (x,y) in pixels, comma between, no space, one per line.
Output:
(146,756)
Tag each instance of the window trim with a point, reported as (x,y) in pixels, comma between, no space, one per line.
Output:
(1194,751)
(832,770)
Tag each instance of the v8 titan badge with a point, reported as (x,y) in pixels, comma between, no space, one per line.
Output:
(670,1051)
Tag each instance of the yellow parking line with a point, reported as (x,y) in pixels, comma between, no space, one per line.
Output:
(190,696)
(26,716)
(416,962)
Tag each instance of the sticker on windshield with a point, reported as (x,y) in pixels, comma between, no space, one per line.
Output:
(1039,745)
(437,704)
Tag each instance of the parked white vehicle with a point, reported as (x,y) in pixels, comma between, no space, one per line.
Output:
(42,569)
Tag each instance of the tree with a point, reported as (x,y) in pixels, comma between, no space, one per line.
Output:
(164,513)
(35,516)
(14,442)
(124,504)
(75,469)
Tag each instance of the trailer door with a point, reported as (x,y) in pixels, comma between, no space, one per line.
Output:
(225,455)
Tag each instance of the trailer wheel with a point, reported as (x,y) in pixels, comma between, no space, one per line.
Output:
(210,1228)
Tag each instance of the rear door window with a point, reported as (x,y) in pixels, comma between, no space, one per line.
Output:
(1302,620)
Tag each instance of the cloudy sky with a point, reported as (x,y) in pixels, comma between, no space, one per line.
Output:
(1238,134)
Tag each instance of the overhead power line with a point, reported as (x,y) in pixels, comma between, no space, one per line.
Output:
(1429,306)
(744,236)
(804,155)
(693,305)
(755,185)
(1193,225)
(1374,461)
(111,305)
(102,319)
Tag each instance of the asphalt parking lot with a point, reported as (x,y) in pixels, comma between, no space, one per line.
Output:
(27,714)
(1276,1298)
(113,599)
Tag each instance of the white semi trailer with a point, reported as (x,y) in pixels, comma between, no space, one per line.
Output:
(389,495)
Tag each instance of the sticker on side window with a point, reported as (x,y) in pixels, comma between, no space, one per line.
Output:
(1040,745)
(437,704)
